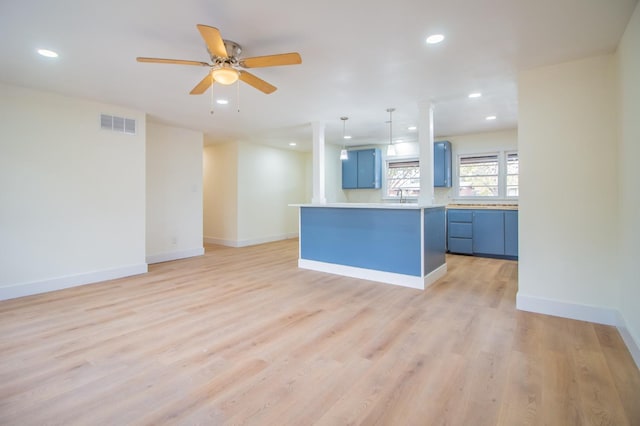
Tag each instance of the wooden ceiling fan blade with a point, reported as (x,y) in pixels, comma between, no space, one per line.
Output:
(212,37)
(204,84)
(172,61)
(256,82)
(292,58)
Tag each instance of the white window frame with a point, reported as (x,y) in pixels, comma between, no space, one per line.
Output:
(502,175)
(385,185)
(506,173)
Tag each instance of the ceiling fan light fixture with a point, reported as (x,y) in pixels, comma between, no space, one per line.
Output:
(225,75)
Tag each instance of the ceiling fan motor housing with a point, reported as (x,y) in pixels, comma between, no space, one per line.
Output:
(233,53)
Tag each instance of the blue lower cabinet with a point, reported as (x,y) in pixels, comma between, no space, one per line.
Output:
(435,244)
(460,231)
(511,233)
(461,245)
(378,239)
(488,232)
(483,232)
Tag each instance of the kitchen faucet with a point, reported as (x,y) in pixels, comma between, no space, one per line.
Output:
(399,191)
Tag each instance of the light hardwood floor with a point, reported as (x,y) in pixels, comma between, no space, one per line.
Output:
(242,336)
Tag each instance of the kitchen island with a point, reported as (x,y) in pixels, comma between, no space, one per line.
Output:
(401,244)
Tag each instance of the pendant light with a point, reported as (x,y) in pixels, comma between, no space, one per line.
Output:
(344,155)
(391,150)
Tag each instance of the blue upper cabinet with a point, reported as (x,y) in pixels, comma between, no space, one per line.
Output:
(369,168)
(363,169)
(350,171)
(442,164)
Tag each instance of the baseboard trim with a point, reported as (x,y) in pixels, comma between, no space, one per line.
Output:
(575,311)
(45,286)
(249,242)
(392,278)
(632,344)
(182,254)
(595,314)
(435,275)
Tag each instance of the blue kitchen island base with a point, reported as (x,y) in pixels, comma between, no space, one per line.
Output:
(400,244)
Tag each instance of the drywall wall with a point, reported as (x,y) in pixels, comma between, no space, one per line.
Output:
(269,179)
(333,175)
(174,193)
(567,144)
(220,193)
(72,198)
(628,57)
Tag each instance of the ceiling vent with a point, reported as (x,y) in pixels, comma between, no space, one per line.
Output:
(118,124)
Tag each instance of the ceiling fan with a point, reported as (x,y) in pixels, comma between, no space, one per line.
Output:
(226,61)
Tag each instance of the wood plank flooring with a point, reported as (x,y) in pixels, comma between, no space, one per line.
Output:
(242,336)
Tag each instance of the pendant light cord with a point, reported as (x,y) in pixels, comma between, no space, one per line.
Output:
(390,127)
(212,81)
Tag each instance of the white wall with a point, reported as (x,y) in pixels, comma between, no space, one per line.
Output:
(568,189)
(247,190)
(333,175)
(628,57)
(269,179)
(220,193)
(72,196)
(174,193)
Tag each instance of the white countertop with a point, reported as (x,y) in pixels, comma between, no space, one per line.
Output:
(484,206)
(404,206)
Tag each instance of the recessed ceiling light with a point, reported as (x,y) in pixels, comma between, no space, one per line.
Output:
(491,117)
(475,95)
(412,128)
(435,38)
(346,137)
(48,53)
(222,101)
(292,144)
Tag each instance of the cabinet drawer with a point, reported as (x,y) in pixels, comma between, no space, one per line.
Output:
(460,215)
(460,230)
(460,245)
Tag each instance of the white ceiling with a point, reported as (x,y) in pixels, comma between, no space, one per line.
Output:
(359,57)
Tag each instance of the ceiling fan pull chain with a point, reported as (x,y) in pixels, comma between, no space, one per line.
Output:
(211,94)
(238,94)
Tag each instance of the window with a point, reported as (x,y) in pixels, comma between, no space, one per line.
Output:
(478,176)
(492,175)
(512,174)
(403,176)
